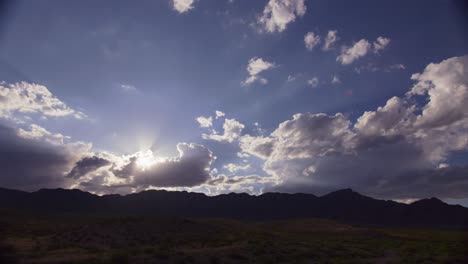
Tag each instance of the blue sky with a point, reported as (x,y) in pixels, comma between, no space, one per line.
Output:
(140,73)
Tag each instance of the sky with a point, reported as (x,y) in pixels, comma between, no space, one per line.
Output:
(220,96)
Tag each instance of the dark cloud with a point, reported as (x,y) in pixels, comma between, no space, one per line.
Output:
(28,164)
(87,165)
(190,168)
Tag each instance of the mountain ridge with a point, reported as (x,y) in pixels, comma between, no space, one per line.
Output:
(343,205)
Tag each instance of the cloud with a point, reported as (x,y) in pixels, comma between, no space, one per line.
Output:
(372,67)
(190,168)
(128,88)
(233,168)
(142,170)
(260,147)
(87,165)
(335,80)
(398,66)
(36,158)
(314,82)
(360,49)
(232,130)
(182,6)
(254,68)
(311,40)
(291,78)
(330,40)
(252,184)
(219,114)
(380,44)
(26,98)
(446,84)
(393,152)
(205,121)
(350,54)
(277,14)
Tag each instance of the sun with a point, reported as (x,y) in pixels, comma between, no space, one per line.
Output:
(145,159)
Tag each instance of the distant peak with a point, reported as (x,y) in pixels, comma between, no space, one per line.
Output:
(347,191)
(429,201)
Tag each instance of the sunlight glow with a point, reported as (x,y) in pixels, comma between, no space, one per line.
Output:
(145,159)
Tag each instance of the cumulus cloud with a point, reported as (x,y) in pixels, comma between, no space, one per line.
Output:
(205,121)
(142,170)
(232,130)
(255,66)
(183,6)
(219,114)
(350,54)
(261,147)
(36,158)
(311,40)
(277,14)
(330,40)
(191,167)
(26,98)
(446,84)
(392,152)
(360,49)
(87,165)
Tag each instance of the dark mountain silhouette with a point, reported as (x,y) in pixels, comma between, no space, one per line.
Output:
(343,205)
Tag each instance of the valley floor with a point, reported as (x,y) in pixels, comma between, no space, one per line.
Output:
(72,238)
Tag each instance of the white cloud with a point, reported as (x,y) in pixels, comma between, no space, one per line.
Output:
(279,13)
(205,121)
(25,98)
(360,49)
(314,82)
(252,184)
(311,40)
(37,132)
(182,6)
(242,155)
(219,114)
(232,130)
(446,84)
(233,168)
(330,39)
(380,44)
(254,68)
(350,54)
(257,65)
(392,152)
(260,147)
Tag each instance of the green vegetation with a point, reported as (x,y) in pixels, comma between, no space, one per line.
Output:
(75,238)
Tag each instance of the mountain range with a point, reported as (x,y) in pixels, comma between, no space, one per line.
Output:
(343,205)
